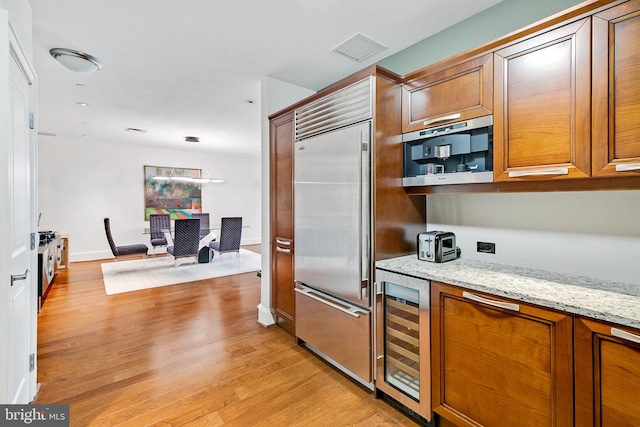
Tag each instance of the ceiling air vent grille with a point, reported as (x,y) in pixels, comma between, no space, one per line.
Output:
(358,48)
(347,106)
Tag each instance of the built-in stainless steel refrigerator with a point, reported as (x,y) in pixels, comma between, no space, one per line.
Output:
(333,238)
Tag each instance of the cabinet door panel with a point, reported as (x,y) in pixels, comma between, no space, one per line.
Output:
(465,88)
(497,366)
(542,106)
(282,139)
(607,376)
(281,164)
(616,98)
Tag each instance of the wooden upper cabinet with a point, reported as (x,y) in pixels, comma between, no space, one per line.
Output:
(616,90)
(542,106)
(460,92)
(607,374)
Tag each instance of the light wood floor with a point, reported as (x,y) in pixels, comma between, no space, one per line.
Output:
(186,355)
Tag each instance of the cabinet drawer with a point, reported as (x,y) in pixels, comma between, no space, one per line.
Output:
(343,337)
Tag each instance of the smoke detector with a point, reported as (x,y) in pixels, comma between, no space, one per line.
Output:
(358,48)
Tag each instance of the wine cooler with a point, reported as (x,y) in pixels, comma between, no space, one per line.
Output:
(403,368)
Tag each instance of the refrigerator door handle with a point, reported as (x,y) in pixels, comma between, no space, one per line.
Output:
(365,161)
(350,310)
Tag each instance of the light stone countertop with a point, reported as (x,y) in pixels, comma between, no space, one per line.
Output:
(599,299)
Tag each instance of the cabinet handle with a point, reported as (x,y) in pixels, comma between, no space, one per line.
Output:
(556,171)
(283,242)
(625,335)
(351,311)
(15,278)
(441,119)
(285,250)
(626,167)
(499,304)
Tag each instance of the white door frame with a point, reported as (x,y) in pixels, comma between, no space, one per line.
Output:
(11,50)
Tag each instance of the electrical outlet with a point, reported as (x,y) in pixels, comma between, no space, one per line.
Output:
(486,247)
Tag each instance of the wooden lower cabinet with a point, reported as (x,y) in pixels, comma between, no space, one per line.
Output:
(607,374)
(498,362)
(283,285)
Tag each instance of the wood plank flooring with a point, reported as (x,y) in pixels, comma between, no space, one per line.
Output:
(186,355)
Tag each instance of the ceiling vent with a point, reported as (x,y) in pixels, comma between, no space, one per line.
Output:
(358,48)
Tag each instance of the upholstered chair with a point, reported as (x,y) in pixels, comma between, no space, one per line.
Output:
(119,251)
(204,223)
(230,236)
(186,239)
(158,223)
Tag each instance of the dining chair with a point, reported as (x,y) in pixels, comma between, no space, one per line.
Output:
(230,236)
(204,223)
(158,223)
(186,239)
(118,251)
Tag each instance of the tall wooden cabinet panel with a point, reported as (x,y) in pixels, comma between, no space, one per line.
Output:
(616,90)
(498,362)
(282,140)
(459,92)
(607,374)
(542,106)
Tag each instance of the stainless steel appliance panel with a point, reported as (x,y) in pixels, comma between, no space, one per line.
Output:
(339,331)
(403,342)
(332,212)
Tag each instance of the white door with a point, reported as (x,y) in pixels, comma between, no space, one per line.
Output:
(18,214)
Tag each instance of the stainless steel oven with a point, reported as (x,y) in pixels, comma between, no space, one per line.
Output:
(403,345)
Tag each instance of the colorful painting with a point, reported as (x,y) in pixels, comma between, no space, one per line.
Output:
(165,193)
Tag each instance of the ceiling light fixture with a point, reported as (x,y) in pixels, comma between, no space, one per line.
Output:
(200,180)
(74,60)
(191,139)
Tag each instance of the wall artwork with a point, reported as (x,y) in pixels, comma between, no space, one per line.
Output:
(170,191)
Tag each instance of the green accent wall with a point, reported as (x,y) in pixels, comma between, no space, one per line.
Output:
(497,21)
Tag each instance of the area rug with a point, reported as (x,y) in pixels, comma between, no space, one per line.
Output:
(153,272)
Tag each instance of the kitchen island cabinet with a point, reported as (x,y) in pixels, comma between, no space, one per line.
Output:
(283,300)
(607,374)
(499,362)
(616,91)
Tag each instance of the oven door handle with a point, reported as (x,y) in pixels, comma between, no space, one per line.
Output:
(351,311)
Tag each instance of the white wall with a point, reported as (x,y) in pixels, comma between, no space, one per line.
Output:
(593,233)
(20,19)
(82,182)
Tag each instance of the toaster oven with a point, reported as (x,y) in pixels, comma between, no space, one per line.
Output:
(437,246)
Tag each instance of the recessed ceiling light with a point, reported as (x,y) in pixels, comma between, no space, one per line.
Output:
(191,139)
(82,104)
(80,85)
